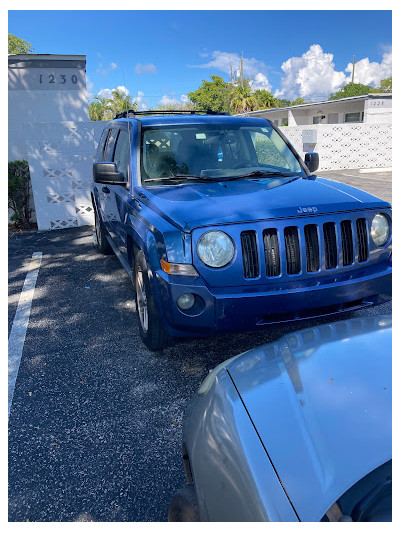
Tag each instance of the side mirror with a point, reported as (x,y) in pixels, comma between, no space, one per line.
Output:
(107,172)
(312,161)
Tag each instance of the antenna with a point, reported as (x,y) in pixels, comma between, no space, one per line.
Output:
(129,132)
(354,68)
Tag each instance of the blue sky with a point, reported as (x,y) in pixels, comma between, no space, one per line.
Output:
(162,55)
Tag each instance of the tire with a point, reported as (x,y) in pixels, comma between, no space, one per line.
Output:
(151,329)
(184,506)
(99,237)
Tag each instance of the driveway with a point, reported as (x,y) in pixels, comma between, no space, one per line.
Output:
(96,419)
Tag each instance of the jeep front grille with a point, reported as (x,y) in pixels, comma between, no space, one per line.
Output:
(362,237)
(292,250)
(271,251)
(303,248)
(250,254)
(330,245)
(312,247)
(347,242)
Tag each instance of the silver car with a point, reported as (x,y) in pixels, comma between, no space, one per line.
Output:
(296,430)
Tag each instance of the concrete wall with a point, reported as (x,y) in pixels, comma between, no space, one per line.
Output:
(46,89)
(43,88)
(60,157)
(342,146)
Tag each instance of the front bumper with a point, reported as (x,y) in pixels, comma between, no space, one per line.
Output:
(238,308)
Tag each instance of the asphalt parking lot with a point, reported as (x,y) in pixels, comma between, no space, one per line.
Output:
(96,419)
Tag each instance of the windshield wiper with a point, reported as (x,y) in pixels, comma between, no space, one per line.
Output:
(179,177)
(263,174)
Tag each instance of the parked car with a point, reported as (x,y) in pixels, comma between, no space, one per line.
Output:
(222,226)
(296,430)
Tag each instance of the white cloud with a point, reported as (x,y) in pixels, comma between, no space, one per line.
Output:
(101,69)
(260,81)
(369,73)
(122,89)
(167,100)
(252,67)
(147,68)
(107,93)
(313,76)
(170,100)
(141,101)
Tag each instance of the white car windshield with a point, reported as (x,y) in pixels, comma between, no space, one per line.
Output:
(215,151)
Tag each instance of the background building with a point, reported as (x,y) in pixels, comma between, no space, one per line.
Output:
(368,109)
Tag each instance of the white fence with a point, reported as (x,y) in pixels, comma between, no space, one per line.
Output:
(60,157)
(342,146)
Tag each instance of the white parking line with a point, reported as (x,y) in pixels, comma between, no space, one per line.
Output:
(20,324)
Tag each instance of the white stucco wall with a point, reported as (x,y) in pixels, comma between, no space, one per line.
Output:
(43,88)
(342,146)
(60,157)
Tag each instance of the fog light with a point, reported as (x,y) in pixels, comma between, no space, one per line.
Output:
(186,301)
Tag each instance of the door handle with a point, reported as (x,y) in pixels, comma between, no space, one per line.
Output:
(106,189)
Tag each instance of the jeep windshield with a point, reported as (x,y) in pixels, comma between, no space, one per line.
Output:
(177,154)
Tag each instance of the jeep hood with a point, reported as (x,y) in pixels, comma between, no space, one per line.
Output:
(320,400)
(203,204)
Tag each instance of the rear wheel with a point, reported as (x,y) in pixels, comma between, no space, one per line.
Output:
(151,328)
(184,506)
(99,238)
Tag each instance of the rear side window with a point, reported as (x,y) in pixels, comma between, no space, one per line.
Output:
(122,153)
(110,145)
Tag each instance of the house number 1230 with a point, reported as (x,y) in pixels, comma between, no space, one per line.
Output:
(60,78)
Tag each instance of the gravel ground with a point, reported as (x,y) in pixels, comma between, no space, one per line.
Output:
(96,420)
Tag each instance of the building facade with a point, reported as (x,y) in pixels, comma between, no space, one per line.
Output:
(49,127)
(368,109)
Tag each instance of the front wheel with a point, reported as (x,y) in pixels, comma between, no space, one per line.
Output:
(184,506)
(99,238)
(151,329)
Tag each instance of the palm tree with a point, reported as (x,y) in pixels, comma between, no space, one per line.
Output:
(102,108)
(122,101)
(242,99)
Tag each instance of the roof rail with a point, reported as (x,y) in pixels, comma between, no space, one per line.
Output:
(131,113)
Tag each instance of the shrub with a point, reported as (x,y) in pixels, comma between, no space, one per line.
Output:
(19,193)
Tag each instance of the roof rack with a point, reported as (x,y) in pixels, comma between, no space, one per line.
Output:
(131,113)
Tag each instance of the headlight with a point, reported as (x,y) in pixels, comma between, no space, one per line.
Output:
(380,229)
(215,249)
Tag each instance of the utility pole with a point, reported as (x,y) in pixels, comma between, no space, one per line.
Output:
(354,67)
(241,70)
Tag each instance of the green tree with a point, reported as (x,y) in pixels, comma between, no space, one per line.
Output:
(298,101)
(214,95)
(176,106)
(100,108)
(282,102)
(386,85)
(352,89)
(103,108)
(242,99)
(19,192)
(16,45)
(121,101)
(263,99)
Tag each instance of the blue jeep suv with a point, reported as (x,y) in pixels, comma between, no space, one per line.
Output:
(222,226)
